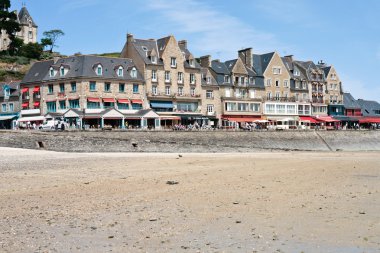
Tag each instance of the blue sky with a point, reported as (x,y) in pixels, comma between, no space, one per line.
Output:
(343,33)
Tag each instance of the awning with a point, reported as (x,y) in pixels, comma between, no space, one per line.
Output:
(8,117)
(36,89)
(162,104)
(369,120)
(74,98)
(308,119)
(109,100)
(348,119)
(170,118)
(123,101)
(327,119)
(236,119)
(26,119)
(36,104)
(95,100)
(24,105)
(24,90)
(136,101)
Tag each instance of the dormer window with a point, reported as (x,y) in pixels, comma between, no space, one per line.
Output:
(296,72)
(120,71)
(51,72)
(145,48)
(191,62)
(134,73)
(62,71)
(99,70)
(153,59)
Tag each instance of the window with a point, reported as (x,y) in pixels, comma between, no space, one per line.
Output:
(242,107)
(180,91)
(191,62)
(296,72)
(50,89)
(277,70)
(192,78)
(227,79)
(11,107)
(297,84)
(254,107)
(123,106)
(269,95)
(51,72)
(153,59)
(209,94)
(210,108)
(280,109)
(187,107)
(285,94)
(99,70)
(74,104)
(291,109)
(121,87)
(30,35)
(136,106)
(154,90)
(208,80)
(62,71)
(108,105)
(269,82)
(4,107)
(62,104)
(154,75)
(92,86)
(51,106)
(228,92)
(180,77)
(277,83)
(241,81)
(73,86)
(304,85)
(167,76)
(335,86)
(286,83)
(230,107)
(252,80)
(277,95)
(173,62)
(134,73)
(93,105)
(107,87)
(270,108)
(167,90)
(297,96)
(135,88)
(192,91)
(120,71)
(62,87)
(252,93)
(304,97)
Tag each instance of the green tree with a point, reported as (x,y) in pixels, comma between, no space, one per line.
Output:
(45,42)
(51,37)
(8,23)
(31,51)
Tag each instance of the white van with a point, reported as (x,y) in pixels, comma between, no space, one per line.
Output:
(285,124)
(54,124)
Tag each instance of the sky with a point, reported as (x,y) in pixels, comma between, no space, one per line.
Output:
(345,34)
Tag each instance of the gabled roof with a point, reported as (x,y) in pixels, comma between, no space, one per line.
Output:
(149,45)
(206,73)
(350,102)
(308,67)
(368,107)
(326,70)
(230,64)
(219,67)
(37,72)
(261,62)
(24,17)
(162,43)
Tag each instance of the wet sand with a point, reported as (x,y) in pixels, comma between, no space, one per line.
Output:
(258,202)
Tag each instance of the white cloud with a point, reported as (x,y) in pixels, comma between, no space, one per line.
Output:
(214,32)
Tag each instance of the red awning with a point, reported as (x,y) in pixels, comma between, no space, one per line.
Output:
(36,89)
(95,100)
(123,101)
(109,100)
(36,104)
(136,101)
(308,119)
(24,90)
(327,119)
(248,119)
(24,105)
(369,120)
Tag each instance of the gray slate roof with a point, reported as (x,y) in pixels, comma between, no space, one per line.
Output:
(350,102)
(14,88)
(82,66)
(24,17)
(261,62)
(149,45)
(368,107)
(219,67)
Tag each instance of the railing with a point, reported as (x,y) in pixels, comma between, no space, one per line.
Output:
(187,95)
(282,99)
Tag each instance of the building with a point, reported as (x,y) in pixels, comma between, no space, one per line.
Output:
(172,77)
(9,104)
(28,31)
(369,108)
(351,106)
(334,96)
(105,90)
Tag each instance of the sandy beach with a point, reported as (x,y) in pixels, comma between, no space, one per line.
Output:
(252,202)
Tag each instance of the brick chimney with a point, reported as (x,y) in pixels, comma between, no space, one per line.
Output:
(290,57)
(205,61)
(183,43)
(129,37)
(246,56)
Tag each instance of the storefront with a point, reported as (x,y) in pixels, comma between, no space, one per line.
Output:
(7,121)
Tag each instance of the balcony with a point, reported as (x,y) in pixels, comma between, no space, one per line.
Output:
(25,97)
(243,98)
(281,99)
(160,94)
(187,96)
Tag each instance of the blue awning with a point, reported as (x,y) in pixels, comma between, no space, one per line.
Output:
(161,104)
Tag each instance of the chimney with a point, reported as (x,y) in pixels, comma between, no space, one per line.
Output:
(246,56)
(290,57)
(183,43)
(205,61)
(129,37)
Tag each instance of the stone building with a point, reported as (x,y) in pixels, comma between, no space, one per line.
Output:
(105,90)
(334,90)
(28,31)
(9,104)
(172,76)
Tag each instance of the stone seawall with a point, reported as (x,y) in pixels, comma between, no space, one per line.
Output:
(173,142)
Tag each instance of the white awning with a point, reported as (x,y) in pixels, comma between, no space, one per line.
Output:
(26,119)
(7,117)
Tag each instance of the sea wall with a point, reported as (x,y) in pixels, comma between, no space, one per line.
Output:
(173,142)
